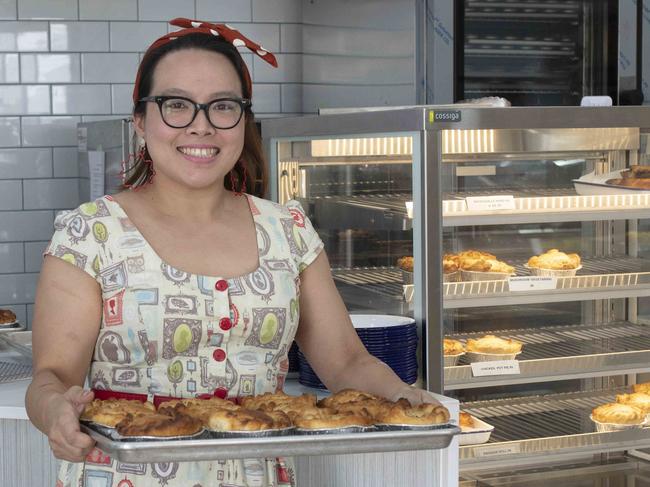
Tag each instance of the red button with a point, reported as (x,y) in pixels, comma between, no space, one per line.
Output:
(219,355)
(221,285)
(225,324)
(221,392)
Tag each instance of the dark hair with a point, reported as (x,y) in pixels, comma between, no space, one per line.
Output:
(252,156)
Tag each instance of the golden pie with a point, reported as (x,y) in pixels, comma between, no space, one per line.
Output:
(466,420)
(110,412)
(325,418)
(493,344)
(638,399)
(272,401)
(450,263)
(7,317)
(478,261)
(643,387)
(160,425)
(422,414)
(555,260)
(405,263)
(453,347)
(239,420)
(616,413)
(344,396)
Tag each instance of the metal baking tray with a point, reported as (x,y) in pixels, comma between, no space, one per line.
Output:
(296,445)
(17,326)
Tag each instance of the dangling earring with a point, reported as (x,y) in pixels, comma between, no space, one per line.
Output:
(143,155)
(244,175)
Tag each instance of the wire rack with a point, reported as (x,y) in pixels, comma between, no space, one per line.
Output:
(576,340)
(12,371)
(386,281)
(394,202)
(600,272)
(541,416)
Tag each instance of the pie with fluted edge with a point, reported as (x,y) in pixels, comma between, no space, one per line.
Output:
(110,412)
(479,261)
(420,415)
(452,347)
(326,418)
(239,420)
(344,396)
(616,413)
(159,425)
(554,259)
(493,344)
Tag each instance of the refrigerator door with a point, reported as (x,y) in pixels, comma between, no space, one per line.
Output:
(104,150)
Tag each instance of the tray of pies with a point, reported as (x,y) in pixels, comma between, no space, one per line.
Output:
(628,181)
(267,425)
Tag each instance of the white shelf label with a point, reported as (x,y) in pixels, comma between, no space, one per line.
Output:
(490,203)
(532,283)
(493,451)
(495,367)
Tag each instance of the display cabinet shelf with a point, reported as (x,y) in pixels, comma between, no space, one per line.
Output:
(550,425)
(554,205)
(599,278)
(564,352)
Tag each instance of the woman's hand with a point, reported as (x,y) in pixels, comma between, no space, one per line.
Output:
(414,395)
(62,419)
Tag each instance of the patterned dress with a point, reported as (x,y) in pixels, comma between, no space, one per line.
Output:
(166,332)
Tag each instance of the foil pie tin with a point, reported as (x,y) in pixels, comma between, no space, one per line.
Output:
(484,276)
(451,360)
(112,433)
(334,431)
(607,427)
(536,271)
(489,357)
(410,427)
(250,434)
(115,436)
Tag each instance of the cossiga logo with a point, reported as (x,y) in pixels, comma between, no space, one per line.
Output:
(444,116)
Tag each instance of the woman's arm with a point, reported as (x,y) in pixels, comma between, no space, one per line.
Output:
(66,323)
(330,343)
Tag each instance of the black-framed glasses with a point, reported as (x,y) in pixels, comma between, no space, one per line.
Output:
(179,112)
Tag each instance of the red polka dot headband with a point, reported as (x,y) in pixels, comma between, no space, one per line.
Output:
(229,34)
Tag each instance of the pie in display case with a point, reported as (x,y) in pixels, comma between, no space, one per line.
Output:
(518,239)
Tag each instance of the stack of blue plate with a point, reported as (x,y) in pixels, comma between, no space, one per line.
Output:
(392,339)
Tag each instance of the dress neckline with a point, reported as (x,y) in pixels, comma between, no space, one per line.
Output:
(254,215)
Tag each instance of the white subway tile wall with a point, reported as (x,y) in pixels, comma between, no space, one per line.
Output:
(67,61)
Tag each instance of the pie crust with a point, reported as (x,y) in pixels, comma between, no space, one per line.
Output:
(554,259)
(493,344)
(616,413)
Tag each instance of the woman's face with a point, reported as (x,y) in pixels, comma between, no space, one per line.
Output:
(199,155)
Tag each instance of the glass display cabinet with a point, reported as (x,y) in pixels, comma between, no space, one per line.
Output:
(433,183)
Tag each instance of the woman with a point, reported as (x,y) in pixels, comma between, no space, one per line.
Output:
(185,285)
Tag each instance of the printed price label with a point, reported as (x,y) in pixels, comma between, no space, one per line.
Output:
(488,203)
(532,283)
(493,451)
(495,367)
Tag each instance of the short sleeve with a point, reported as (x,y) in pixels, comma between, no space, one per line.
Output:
(73,242)
(305,244)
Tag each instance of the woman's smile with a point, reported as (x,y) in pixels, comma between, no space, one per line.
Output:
(199,153)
